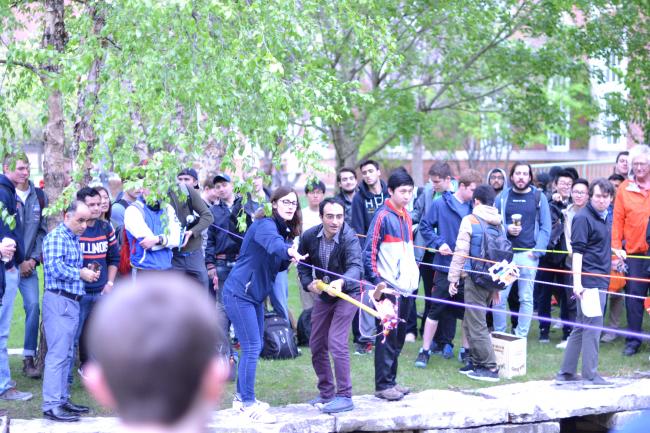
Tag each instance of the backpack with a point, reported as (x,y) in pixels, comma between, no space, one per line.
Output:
(556,240)
(40,196)
(126,247)
(495,247)
(304,327)
(279,339)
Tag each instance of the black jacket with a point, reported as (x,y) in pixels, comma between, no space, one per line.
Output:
(364,206)
(591,236)
(9,203)
(344,260)
(219,241)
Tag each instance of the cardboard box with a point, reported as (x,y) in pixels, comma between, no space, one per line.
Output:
(510,352)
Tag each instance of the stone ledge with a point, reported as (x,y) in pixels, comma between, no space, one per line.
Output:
(533,407)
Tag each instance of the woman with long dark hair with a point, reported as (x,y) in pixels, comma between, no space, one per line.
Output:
(105,204)
(266,250)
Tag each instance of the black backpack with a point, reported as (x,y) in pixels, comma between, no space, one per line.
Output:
(495,247)
(556,240)
(279,338)
(304,327)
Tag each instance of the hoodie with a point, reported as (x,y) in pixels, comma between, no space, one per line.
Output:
(440,226)
(470,236)
(9,200)
(505,178)
(364,207)
(388,254)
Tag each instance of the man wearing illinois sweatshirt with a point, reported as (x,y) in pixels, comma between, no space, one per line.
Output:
(100,253)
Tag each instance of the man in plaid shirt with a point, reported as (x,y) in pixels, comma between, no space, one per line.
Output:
(64,279)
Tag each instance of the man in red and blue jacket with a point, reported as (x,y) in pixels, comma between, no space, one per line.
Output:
(388,257)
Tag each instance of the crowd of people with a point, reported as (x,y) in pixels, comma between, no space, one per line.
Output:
(376,240)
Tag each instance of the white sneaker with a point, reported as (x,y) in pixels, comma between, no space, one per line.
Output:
(257,413)
(410,338)
(562,345)
(237,404)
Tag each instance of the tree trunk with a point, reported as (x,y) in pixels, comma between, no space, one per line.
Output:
(417,163)
(55,162)
(83,130)
(346,149)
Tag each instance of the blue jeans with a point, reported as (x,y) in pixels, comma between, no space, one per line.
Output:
(29,291)
(248,320)
(86,305)
(60,320)
(280,295)
(525,296)
(6,310)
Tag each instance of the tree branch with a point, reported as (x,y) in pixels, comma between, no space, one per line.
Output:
(380,147)
(35,69)
(472,98)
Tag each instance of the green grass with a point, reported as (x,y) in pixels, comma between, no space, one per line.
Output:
(294,381)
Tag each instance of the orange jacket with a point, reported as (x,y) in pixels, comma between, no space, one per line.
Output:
(631,212)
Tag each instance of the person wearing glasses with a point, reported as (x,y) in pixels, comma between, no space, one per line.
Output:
(266,250)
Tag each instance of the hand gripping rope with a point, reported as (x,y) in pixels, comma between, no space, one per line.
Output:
(385,311)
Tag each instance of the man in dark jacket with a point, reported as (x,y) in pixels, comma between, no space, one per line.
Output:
(592,263)
(10,227)
(34,228)
(346,179)
(332,245)
(195,217)
(371,196)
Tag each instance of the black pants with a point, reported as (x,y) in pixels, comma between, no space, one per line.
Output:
(193,265)
(634,307)
(564,298)
(387,352)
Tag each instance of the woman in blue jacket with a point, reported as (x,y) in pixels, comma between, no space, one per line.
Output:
(266,250)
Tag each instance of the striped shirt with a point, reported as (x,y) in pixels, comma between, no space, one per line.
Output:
(62,260)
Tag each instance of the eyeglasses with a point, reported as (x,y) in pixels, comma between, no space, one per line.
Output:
(579,192)
(289,203)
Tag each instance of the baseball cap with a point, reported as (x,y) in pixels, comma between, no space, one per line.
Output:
(221,177)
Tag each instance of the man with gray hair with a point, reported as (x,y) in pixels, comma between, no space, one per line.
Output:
(172,381)
(64,277)
(631,213)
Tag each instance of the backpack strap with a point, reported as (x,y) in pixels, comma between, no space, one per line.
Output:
(40,195)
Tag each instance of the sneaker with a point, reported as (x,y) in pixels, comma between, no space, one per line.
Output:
(436,349)
(410,338)
(562,345)
(448,351)
(467,369)
(597,382)
(608,338)
(630,350)
(362,348)
(12,394)
(484,374)
(423,358)
(403,389)
(319,400)
(237,404)
(567,379)
(390,394)
(463,355)
(544,339)
(339,404)
(257,413)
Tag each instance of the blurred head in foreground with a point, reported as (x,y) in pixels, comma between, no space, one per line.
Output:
(154,347)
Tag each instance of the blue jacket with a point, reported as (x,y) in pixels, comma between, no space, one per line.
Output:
(159,259)
(440,226)
(263,254)
(542,220)
(388,253)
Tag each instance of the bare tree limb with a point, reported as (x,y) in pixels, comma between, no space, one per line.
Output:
(380,147)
